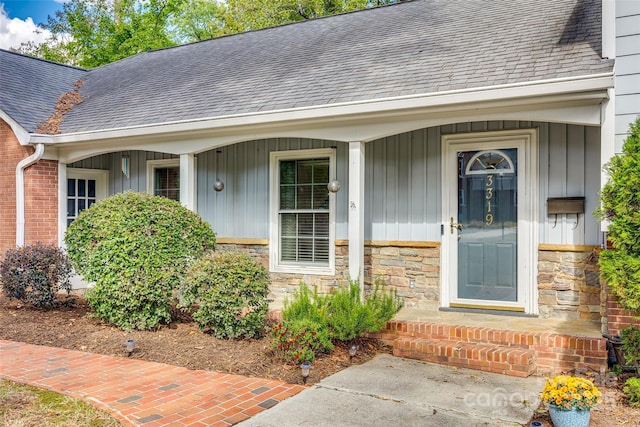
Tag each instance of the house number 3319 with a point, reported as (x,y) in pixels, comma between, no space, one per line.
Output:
(488,218)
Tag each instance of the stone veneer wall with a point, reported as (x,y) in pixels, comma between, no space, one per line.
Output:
(283,284)
(414,271)
(569,285)
(396,265)
(568,281)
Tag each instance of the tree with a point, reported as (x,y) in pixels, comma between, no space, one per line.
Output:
(91,33)
(620,205)
(246,15)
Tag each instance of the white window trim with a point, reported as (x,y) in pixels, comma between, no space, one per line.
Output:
(64,173)
(274,232)
(152,165)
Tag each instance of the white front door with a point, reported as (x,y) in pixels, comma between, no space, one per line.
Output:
(488,239)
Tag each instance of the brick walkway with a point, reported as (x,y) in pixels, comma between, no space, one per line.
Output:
(143,393)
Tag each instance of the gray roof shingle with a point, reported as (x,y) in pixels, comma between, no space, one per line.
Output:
(30,87)
(416,47)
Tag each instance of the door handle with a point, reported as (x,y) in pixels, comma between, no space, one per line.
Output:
(454,226)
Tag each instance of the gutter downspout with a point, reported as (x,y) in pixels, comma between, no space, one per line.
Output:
(22,165)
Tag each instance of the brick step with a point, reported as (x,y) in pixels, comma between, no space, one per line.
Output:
(514,361)
(473,334)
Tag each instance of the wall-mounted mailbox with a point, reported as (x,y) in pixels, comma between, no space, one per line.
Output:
(565,205)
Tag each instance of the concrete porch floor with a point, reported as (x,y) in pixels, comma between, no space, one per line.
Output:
(578,328)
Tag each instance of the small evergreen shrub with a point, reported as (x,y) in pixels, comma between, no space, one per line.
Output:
(341,315)
(620,197)
(348,317)
(34,274)
(630,338)
(136,248)
(300,340)
(231,289)
(632,390)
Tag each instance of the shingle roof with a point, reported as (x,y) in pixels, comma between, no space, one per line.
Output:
(30,87)
(416,47)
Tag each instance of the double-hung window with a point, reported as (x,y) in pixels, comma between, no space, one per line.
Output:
(302,215)
(163,177)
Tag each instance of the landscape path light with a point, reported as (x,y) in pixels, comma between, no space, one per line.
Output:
(130,345)
(305,368)
(352,351)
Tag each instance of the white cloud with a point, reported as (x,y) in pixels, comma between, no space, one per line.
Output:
(14,32)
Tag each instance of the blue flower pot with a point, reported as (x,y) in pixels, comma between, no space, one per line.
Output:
(571,418)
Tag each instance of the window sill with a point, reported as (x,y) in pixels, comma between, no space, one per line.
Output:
(304,269)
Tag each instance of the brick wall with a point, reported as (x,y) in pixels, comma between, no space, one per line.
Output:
(41,194)
(619,318)
(12,152)
(41,202)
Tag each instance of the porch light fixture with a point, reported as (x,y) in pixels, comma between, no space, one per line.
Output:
(352,351)
(218,186)
(333,186)
(130,345)
(305,368)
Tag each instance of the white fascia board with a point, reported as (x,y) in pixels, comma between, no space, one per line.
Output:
(19,131)
(570,86)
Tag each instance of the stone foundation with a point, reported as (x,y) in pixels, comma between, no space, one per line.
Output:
(414,271)
(569,285)
(568,281)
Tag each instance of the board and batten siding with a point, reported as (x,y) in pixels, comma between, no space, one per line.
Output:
(402,181)
(118,182)
(627,70)
(241,210)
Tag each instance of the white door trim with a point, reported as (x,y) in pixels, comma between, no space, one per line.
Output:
(526,140)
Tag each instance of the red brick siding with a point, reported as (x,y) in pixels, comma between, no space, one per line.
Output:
(41,194)
(619,318)
(41,202)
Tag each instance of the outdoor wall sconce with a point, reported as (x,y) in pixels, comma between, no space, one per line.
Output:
(218,186)
(130,345)
(333,186)
(305,368)
(352,351)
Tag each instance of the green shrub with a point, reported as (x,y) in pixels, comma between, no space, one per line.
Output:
(348,317)
(341,315)
(620,197)
(632,390)
(630,338)
(136,248)
(300,340)
(231,289)
(34,274)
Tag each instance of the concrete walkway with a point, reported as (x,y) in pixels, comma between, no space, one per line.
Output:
(391,391)
(140,393)
(382,392)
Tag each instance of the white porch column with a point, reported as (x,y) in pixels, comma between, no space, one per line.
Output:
(607,139)
(356,211)
(188,181)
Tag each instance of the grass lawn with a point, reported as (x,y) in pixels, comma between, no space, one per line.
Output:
(25,406)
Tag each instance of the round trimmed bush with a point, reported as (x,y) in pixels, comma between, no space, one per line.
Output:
(136,248)
(231,291)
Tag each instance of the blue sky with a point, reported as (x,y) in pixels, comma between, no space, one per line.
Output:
(19,21)
(37,10)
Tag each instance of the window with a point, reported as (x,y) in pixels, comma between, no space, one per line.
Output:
(163,178)
(302,211)
(84,188)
